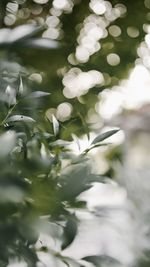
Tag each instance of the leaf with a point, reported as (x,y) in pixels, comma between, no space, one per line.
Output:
(76,140)
(60,143)
(20,35)
(20,89)
(74,181)
(19,118)
(70,231)
(79,159)
(69,262)
(40,43)
(4,33)
(29,255)
(10,96)
(102,260)
(97,178)
(37,94)
(55,125)
(103,136)
(23,32)
(7,143)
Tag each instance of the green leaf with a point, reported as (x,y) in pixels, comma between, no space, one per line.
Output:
(20,35)
(40,43)
(104,136)
(20,89)
(22,32)
(74,181)
(60,143)
(79,159)
(70,231)
(7,143)
(76,140)
(10,96)
(37,94)
(102,260)
(55,125)
(19,118)
(29,255)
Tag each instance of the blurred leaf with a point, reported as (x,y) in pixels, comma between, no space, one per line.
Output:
(76,140)
(8,36)
(28,254)
(7,143)
(37,94)
(3,263)
(79,159)
(4,35)
(74,181)
(104,136)
(21,37)
(23,32)
(69,262)
(40,43)
(55,125)
(28,231)
(19,118)
(20,89)
(60,143)
(70,231)
(10,96)
(103,260)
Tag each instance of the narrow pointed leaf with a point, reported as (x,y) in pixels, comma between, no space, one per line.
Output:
(76,140)
(19,118)
(23,32)
(10,96)
(37,94)
(60,143)
(104,136)
(55,125)
(40,43)
(102,260)
(20,89)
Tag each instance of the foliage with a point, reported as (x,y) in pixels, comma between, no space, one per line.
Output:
(40,176)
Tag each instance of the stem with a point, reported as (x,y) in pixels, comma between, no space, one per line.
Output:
(8,114)
(94,146)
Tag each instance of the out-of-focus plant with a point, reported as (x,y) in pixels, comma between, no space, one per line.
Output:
(33,181)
